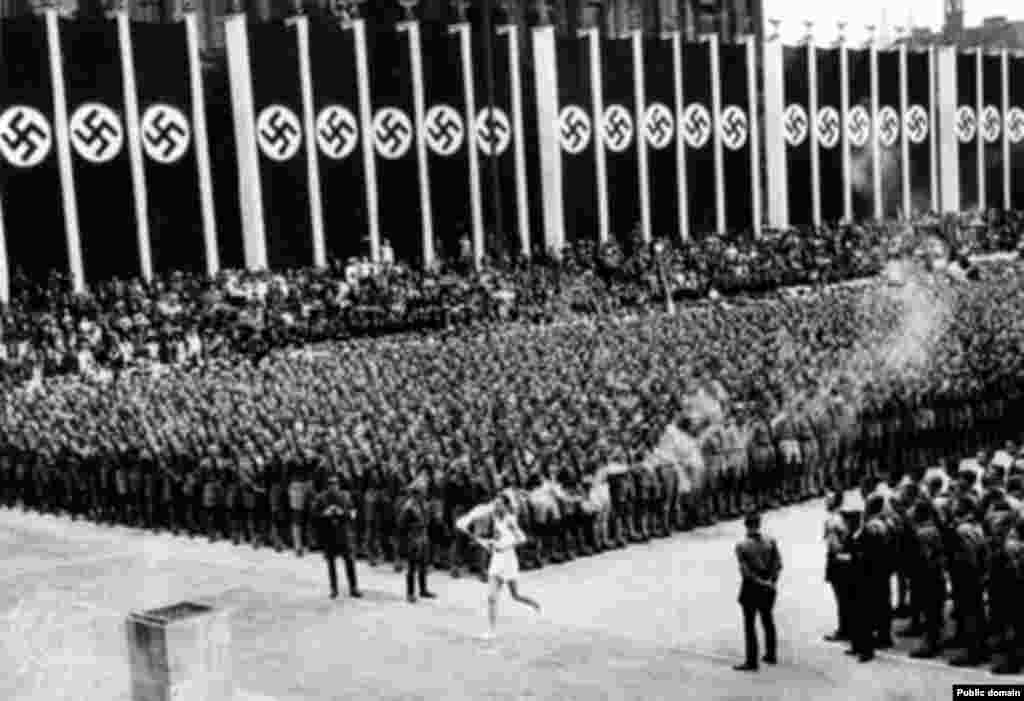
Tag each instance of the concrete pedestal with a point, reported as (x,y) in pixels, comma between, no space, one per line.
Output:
(180,652)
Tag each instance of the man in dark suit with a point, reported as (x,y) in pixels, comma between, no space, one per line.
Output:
(334,513)
(414,532)
(760,565)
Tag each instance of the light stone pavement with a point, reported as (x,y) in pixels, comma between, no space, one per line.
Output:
(653,621)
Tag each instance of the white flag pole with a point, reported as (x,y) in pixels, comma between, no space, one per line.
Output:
(844,114)
(519,153)
(716,118)
(597,108)
(812,127)
(131,115)
(774,140)
(933,136)
(750,42)
(412,29)
(316,209)
(683,192)
(202,144)
(545,68)
(462,30)
(876,171)
(979,138)
(640,97)
(358,27)
(1004,98)
(63,139)
(904,141)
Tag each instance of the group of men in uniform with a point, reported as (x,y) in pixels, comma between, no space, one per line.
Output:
(940,534)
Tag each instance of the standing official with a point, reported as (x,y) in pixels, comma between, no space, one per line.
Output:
(414,531)
(335,513)
(760,565)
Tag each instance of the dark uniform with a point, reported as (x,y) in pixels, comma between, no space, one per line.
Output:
(334,514)
(837,571)
(872,596)
(765,474)
(414,531)
(968,565)
(928,579)
(760,565)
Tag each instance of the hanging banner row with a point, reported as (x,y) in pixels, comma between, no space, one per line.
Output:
(121,157)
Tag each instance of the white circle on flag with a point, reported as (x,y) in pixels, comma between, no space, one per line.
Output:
(1015,125)
(696,125)
(25,136)
(392,133)
(493,131)
(733,127)
(278,132)
(858,126)
(165,133)
(617,128)
(96,132)
(573,129)
(966,124)
(888,127)
(915,122)
(828,126)
(337,132)
(443,130)
(991,124)
(658,125)
(794,123)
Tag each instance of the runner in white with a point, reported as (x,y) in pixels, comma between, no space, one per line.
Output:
(504,568)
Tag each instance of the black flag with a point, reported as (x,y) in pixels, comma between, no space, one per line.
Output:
(578,137)
(829,127)
(888,124)
(618,136)
(919,130)
(965,123)
(659,128)
(797,131)
(991,127)
(859,132)
(1015,131)
(734,123)
(697,129)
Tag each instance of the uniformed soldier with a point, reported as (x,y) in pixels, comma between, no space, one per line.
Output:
(760,566)
(277,505)
(787,448)
(298,497)
(812,480)
(766,476)
(1014,554)
(845,512)
(334,515)
(234,507)
(371,488)
(928,578)
(712,446)
(736,461)
(968,563)
(872,570)
(414,531)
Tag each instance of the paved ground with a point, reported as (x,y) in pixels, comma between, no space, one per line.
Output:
(654,621)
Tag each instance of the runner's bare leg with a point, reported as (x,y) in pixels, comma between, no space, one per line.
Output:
(513,589)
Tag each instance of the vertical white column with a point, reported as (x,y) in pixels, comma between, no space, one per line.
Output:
(904,142)
(202,145)
(755,133)
(5,273)
(545,68)
(716,119)
(812,128)
(316,209)
(593,38)
(876,161)
(62,137)
(640,98)
(462,30)
(412,29)
(683,192)
(1004,109)
(250,188)
(844,139)
(131,119)
(945,129)
(518,144)
(979,139)
(774,139)
(358,27)
(933,131)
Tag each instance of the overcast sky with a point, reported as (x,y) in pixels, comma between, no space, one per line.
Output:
(859,13)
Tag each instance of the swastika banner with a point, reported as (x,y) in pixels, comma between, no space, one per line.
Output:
(828,125)
(447,136)
(33,209)
(797,126)
(659,128)
(919,130)
(578,135)
(99,153)
(168,146)
(860,130)
(734,124)
(281,143)
(888,132)
(618,134)
(698,129)
(1015,131)
(395,142)
(991,130)
(338,140)
(965,124)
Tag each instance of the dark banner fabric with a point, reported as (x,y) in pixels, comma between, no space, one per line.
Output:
(697,129)
(859,132)
(493,135)
(734,124)
(531,137)
(919,130)
(30,177)
(829,126)
(966,125)
(447,138)
(578,137)
(339,141)
(991,126)
(889,148)
(619,137)
(797,130)
(168,146)
(395,144)
(220,123)
(284,174)
(1015,131)
(659,128)
(99,149)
